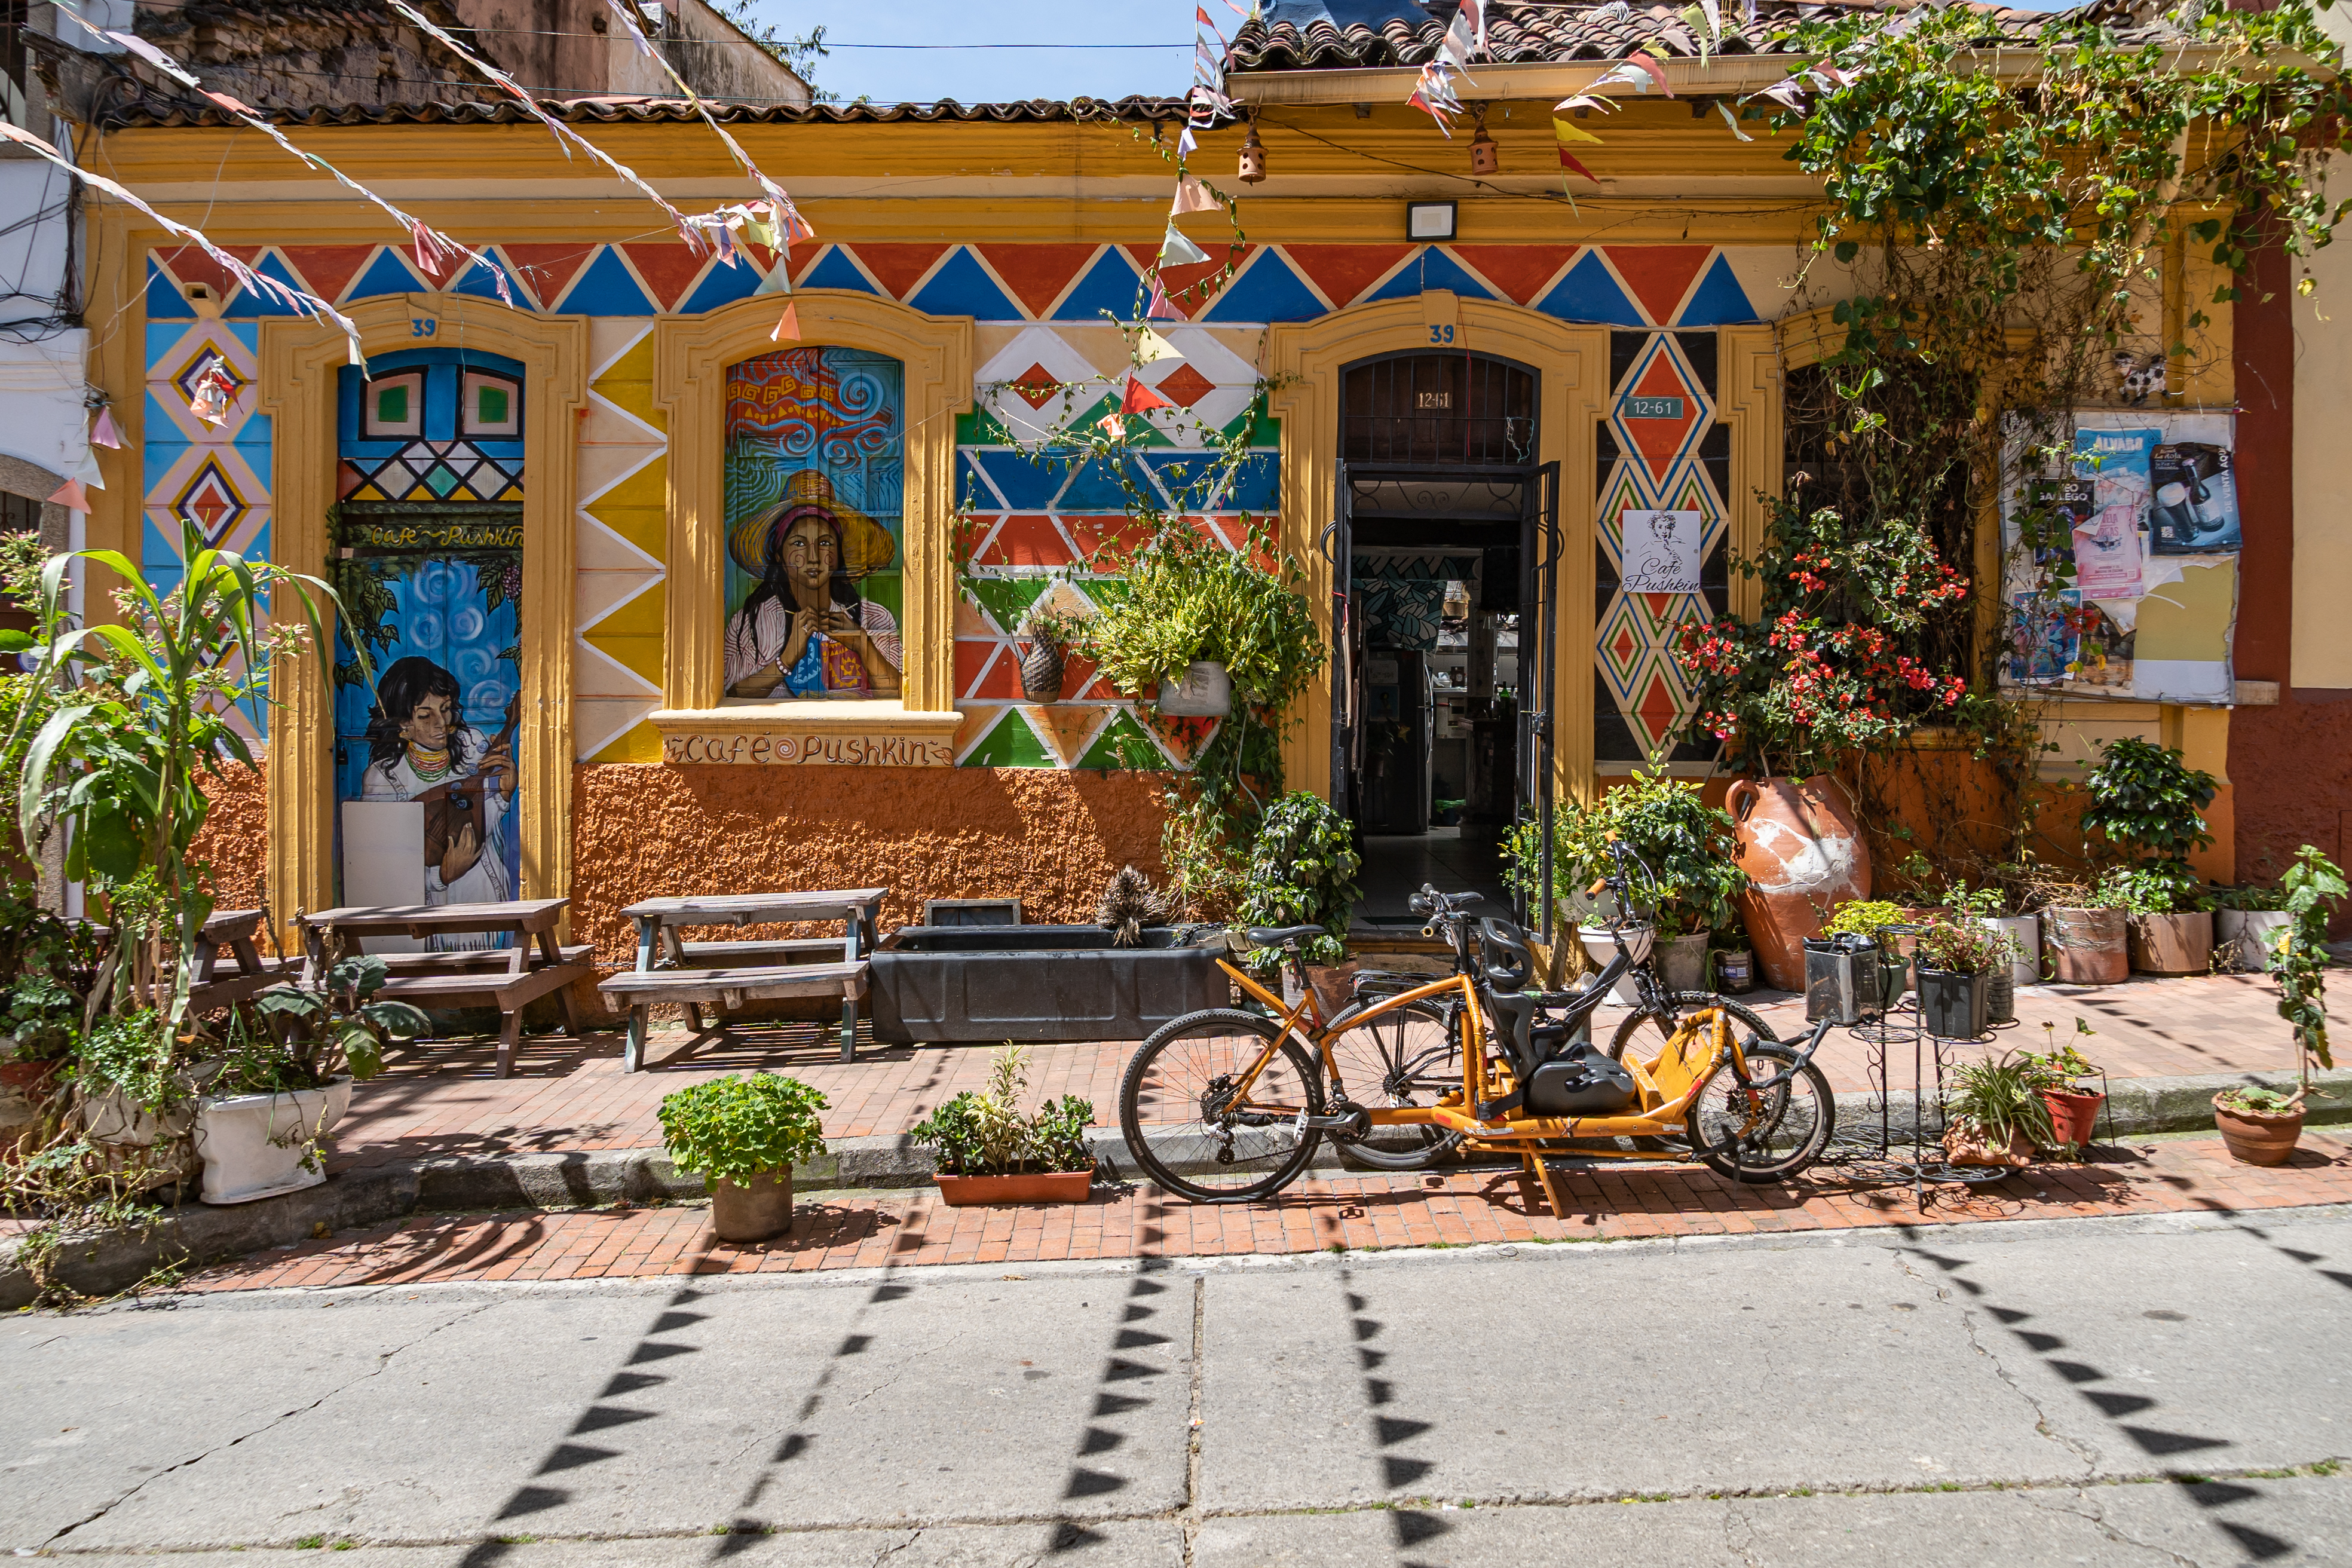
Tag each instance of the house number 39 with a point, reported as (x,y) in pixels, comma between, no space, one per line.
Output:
(1442,335)
(423,326)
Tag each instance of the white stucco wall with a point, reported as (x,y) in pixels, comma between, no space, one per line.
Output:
(2321,644)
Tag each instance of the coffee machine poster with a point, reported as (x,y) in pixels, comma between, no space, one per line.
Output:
(2193,507)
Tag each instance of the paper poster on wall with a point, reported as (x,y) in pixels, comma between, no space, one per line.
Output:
(1663,550)
(2140,601)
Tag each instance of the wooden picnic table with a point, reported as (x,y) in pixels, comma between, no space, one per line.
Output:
(530,967)
(725,974)
(229,934)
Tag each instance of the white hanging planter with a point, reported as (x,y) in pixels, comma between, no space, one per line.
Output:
(1205,692)
(256,1145)
(1600,945)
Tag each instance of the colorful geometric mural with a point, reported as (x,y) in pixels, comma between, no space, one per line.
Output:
(1046,354)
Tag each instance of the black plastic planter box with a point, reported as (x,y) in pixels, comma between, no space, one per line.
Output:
(989,984)
(1952,1007)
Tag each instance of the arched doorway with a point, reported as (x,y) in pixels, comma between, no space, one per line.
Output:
(1445,544)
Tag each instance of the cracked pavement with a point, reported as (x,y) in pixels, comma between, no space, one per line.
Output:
(2153,1391)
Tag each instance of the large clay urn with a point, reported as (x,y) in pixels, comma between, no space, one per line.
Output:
(1803,854)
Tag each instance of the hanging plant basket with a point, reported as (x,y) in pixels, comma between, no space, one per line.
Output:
(1042,670)
(1205,692)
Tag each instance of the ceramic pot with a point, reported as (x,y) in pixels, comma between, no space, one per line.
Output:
(1683,964)
(1803,854)
(256,1145)
(2025,969)
(2258,1137)
(1045,1187)
(1952,1007)
(2172,944)
(754,1210)
(1041,673)
(2073,1118)
(2086,946)
(2243,939)
(1962,1147)
(1600,945)
(1205,692)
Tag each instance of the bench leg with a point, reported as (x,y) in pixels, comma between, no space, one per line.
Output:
(633,1054)
(510,1036)
(570,1017)
(849,1029)
(694,1016)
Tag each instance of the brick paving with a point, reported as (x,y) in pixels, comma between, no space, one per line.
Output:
(440,1098)
(1463,1208)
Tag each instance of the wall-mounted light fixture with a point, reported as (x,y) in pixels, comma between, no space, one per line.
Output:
(1429,220)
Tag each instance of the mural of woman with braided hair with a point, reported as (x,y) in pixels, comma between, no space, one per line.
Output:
(806,631)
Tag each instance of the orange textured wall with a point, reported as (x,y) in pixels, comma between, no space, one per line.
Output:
(1050,838)
(236,838)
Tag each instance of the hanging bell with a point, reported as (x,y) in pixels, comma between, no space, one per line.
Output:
(1486,158)
(1253,169)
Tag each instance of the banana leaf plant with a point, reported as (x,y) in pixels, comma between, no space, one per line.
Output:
(140,724)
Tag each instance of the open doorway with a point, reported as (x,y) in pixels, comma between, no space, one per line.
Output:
(1447,526)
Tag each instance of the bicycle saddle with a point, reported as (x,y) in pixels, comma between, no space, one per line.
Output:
(1275,936)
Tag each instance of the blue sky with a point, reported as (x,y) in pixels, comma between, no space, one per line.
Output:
(995,75)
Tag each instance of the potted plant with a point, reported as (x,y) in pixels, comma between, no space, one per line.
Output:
(2261,1126)
(741,1136)
(1851,971)
(1995,1114)
(1992,907)
(2147,804)
(2086,934)
(1837,663)
(266,1110)
(2246,924)
(1957,961)
(990,1152)
(1196,625)
(135,1104)
(1301,870)
(1050,631)
(2063,1074)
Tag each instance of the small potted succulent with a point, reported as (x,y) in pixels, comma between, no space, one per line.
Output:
(1050,631)
(2246,924)
(2148,804)
(2064,1076)
(2261,1126)
(1995,1114)
(1959,962)
(991,1151)
(743,1137)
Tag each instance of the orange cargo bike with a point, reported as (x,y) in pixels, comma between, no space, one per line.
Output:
(1227,1105)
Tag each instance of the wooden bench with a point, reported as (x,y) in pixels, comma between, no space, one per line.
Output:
(228,934)
(506,978)
(724,975)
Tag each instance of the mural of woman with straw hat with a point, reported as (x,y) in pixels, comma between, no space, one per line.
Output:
(805,630)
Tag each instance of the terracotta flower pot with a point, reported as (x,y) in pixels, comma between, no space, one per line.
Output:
(754,1210)
(2258,1137)
(1803,854)
(1966,1146)
(2087,946)
(2073,1118)
(1037,1187)
(2172,944)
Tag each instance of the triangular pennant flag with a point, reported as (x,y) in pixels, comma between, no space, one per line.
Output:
(1192,196)
(210,402)
(1568,161)
(1569,131)
(779,280)
(788,325)
(87,471)
(103,432)
(1141,399)
(1162,309)
(1150,348)
(1176,250)
(71,496)
(1723,107)
(1112,424)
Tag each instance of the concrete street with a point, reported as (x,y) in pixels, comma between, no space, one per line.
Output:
(2157,1390)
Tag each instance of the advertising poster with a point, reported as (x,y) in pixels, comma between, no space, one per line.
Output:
(2194,504)
(1661,550)
(2115,464)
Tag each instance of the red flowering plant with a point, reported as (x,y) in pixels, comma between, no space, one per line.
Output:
(1837,663)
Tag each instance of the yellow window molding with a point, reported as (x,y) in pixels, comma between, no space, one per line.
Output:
(299,364)
(1304,360)
(691,358)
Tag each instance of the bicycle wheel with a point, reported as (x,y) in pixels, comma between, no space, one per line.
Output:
(1645,1034)
(1763,1135)
(1407,1057)
(1176,1109)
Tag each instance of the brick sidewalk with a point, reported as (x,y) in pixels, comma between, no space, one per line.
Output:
(441,1098)
(915,1229)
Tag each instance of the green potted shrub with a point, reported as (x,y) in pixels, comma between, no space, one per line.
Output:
(1957,961)
(2085,929)
(2246,924)
(2148,804)
(991,1151)
(2063,1074)
(2261,1126)
(1197,625)
(1301,870)
(1996,908)
(1994,1113)
(743,1136)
